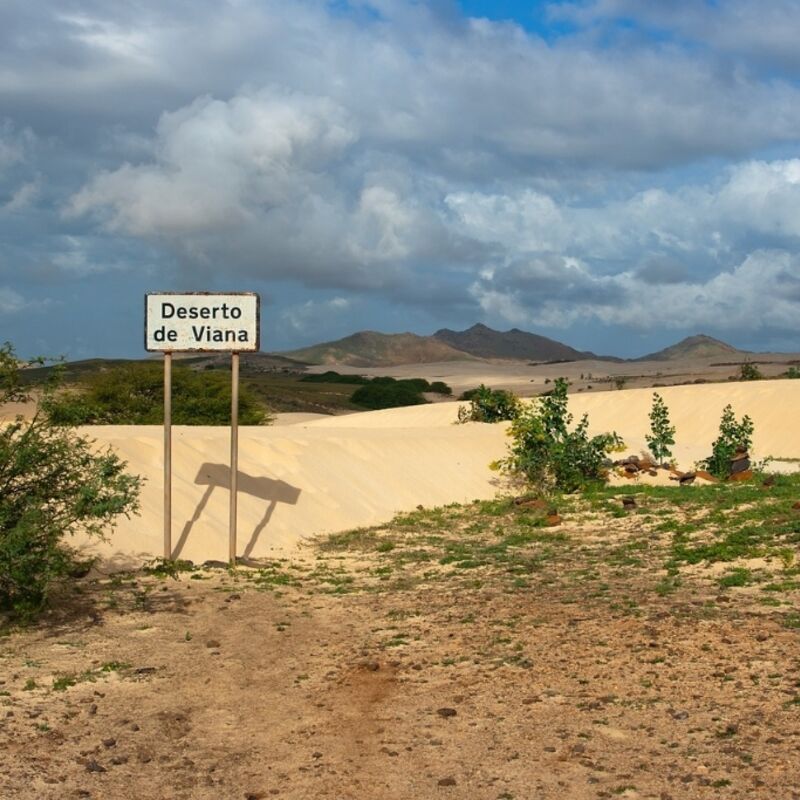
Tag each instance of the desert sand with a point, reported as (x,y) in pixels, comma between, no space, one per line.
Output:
(328,474)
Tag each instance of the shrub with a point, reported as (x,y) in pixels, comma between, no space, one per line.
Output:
(792,372)
(547,454)
(488,405)
(749,372)
(733,435)
(133,394)
(662,434)
(387,394)
(440,387)
(334,377)
(52,484)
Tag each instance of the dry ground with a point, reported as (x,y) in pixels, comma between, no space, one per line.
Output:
(465,652)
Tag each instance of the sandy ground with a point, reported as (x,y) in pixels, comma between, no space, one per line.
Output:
(315,680)
(585,376)
(335,473)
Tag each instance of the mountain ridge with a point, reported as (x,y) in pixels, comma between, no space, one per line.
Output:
(699,345)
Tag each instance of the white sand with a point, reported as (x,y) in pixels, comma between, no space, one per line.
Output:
(335,473)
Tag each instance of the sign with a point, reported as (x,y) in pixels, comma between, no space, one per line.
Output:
(201,322)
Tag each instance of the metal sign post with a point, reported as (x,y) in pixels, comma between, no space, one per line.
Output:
(167,456)
(234,453)
(201,322)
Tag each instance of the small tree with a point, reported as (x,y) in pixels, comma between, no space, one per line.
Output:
(733,436)
(749,372)
(662,434)
(488,405)
(547,454)
(52,484)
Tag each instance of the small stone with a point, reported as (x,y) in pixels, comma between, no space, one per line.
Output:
(231,597)
(118,760)
(92,710)
(109,742)
(316,754)
(254,795)
(93,766)
(446,712)
(448,781)
(212,644)
(135,727)
(553,520)
(372,666)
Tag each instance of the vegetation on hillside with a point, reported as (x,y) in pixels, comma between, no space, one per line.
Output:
(133,394)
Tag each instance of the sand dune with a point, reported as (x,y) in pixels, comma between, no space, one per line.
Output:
(334,473)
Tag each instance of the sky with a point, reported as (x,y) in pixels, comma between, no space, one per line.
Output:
(615,174)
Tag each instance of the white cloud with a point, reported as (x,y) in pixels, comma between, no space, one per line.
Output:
(11,301)
(22,197)
(314,315)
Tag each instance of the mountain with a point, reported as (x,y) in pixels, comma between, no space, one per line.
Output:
(700,346)
(484,342)
(371,349)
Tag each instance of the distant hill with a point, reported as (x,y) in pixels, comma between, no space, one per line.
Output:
(371,349)
(700,346)
(484,342)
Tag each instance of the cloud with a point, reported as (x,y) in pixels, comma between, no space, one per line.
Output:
(11,301)
(402,154)
(22,197)
(314,315)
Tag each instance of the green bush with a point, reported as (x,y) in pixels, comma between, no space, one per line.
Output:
(547,454)
(334,377)
(733,435)
(440,387)
(749,372)
(52,484)
(662,433)
(387,394)
(133,394)
(488,405)
(792,372)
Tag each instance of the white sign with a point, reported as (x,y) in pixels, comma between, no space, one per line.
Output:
(202,321)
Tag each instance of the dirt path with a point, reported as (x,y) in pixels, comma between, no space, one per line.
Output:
(305,681)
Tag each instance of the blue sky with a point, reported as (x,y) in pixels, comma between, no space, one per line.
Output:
(616,174)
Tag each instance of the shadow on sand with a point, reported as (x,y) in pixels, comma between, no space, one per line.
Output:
(218,475)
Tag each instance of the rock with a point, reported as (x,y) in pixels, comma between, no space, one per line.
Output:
(530,502)
(628,502)
(93,766)
(118,760)
(109,742)
(745,475)
(687,478)
(446,712)
(768,481)
(552,520)
(740,465)
(706,476)
(92,710)
(213,644)
(211,564)
(631,469)
(231,597)
(448,781)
